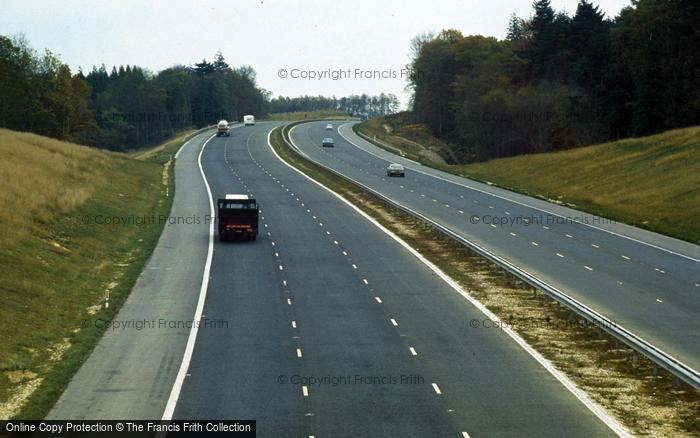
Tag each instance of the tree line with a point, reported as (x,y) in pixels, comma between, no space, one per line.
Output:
(130,107)
(560,81)
(137,108)
(381,105)
(127,108)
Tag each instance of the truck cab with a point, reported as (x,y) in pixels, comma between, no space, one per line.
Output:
(249,120)
(222,129)
(237,217)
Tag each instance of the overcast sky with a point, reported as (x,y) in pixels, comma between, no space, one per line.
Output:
(297,36)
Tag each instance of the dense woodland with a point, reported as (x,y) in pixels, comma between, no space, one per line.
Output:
(556,81)
(125,108)
(559,81)
(130,107)
(133,107)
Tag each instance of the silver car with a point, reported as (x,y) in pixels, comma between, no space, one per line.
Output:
(329,127)
(395,169)
(327,142)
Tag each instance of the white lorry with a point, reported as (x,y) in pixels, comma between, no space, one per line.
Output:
(249,120)
(222,129)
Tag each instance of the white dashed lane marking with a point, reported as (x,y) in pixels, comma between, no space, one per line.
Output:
(305,389)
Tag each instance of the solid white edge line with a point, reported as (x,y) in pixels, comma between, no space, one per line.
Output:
(177,154)
(197,134)
(592,406)
(189,348)
(614,233)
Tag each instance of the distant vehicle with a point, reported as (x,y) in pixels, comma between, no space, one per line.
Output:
(222,129)
(329,127)
(249,120)
(395,169)
(238,217)
(327,142)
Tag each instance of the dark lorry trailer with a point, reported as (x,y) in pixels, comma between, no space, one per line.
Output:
(237,217)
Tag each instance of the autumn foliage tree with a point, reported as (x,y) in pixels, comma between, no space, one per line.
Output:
(560,81)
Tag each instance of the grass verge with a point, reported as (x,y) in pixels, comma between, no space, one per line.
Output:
(650,182)
(62,261)
(398,131)
(645,400)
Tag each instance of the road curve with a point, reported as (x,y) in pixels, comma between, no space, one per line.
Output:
(643,281)
(326,326)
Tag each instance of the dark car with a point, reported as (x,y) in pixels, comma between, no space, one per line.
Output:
(395,169)
(327,142)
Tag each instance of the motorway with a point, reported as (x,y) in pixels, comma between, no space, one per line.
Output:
(325,326)
(643,281)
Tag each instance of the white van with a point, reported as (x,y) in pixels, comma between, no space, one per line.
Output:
(249,120)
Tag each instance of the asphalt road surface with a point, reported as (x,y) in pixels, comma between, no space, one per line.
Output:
(645,282)
(335,329)
(324,326)
(130,373)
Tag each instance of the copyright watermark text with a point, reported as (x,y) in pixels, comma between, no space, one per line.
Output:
(338,74)
(350,379)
